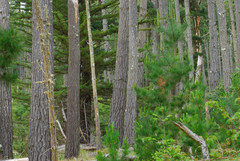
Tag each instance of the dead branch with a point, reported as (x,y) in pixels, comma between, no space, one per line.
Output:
(196,138)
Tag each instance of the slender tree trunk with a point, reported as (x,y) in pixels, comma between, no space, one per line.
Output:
(163,12)
(95,97)
(131,106)
(73,82)
(224,44)
(42,141)
(237,12)
(177,10)
(155,34)
(141,40)
(6,130)
(118,104)
(231,55)
(235,44)
(189,38)
(214,56)
(107,47)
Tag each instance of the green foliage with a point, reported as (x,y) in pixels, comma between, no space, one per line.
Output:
(169,151)
(11,46)
(112,143)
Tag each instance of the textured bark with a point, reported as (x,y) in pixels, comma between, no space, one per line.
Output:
(224,44)
(141,40)
(73,102)
(214,56)
(131,105)
(189,38)
(94,86)
(41,146)
(6,132)
(155,34)
(118,104)
(235,45)
(237,12)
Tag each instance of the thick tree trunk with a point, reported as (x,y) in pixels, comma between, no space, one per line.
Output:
(131,106)
(6,130)
(224,44)
(94,86)
(73,82)
(155,34)
(214,56)
(189,38)
(118,104)
(235,45)
(42,123)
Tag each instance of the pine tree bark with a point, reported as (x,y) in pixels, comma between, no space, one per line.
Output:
(155,34)
(189,38)
(42,146)
(214,56)
(6,129)
(131,106)
(141,40)
(177,10)
(237,12)
(73,83)
(163,12)
(235,45)
(224,44)
(95,97)
(118,104)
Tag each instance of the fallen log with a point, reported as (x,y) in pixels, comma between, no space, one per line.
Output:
(194,137)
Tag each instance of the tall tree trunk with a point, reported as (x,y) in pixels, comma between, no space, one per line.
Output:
(155,34)
(107,47)
(118,104)
(189,38)
(237,12)
(73,82)
(163,12)
(224,44)
(231,55)
(177,10)
(141,40)
(214,56)
(42,121)
(235,45)
(6,130)
(95,97)
(131,106)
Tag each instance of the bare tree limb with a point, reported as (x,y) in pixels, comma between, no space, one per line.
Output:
(196,138)
(60,127)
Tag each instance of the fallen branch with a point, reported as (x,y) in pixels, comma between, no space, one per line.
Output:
(196,138)
(60,127)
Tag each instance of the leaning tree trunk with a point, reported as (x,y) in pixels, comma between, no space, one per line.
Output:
(73,83)
(42,136)
(214,56)
(189,38)
(95,97)
(118,104)
(195,138)
(224,44)
(6,130)
(131,105)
